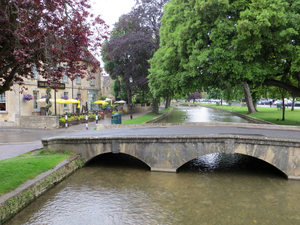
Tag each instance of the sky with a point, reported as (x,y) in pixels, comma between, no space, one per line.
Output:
(110,11)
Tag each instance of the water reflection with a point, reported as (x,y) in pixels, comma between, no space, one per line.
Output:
(212,189)
(183,114)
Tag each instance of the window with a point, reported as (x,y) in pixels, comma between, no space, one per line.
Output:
(2,102)
(92,96)
(66,105)
(65,78)
(78,80)
(92,81)
(35,98)
(35,72)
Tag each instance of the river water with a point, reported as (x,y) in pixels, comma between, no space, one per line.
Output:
(212,189)
(192,114)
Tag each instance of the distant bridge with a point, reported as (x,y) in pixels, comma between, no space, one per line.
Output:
(168,153)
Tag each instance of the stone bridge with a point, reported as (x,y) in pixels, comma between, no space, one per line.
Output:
(168,153)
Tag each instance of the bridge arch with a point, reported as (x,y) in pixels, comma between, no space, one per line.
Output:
(168,153)
(276,157)
(123,156)
(210,161)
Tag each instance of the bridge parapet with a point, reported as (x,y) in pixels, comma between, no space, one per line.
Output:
(168,153)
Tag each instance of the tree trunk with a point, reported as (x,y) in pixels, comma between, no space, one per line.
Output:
(168,102)
(248,98)
(283,105)
(293,104)
(154,106)
(283,110)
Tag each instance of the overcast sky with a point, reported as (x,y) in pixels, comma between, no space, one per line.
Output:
(111,10)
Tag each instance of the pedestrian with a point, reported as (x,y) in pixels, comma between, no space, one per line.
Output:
(270,103)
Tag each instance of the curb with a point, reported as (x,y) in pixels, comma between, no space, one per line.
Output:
(13,202)
(160,116)
(250,118)
(146,124)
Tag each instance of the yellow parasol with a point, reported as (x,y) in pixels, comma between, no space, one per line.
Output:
(68,101)
(58,100)
(100,102)
(62,101)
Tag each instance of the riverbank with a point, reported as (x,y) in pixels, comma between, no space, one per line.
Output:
(14,201)
(271,115)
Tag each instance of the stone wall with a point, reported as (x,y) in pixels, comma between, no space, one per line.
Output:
(12,203)
(136,108)
(43,122)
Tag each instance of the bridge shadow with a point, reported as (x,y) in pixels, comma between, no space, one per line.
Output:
(117,160)
(235,164)
(217,163)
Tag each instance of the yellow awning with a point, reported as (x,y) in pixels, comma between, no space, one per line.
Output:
(100,102)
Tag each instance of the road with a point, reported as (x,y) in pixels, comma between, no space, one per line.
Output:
(14,142)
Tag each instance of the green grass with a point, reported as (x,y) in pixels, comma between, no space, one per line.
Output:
(270,114)
(144,118)
(16,171)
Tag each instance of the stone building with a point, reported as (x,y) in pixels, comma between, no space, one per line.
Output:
(107,86)
(14,106)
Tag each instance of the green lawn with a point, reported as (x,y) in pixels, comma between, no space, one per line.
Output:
(16,171)
(144,118)
(266,113)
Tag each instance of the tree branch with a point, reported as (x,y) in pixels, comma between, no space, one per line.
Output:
(8,81)
(294,91)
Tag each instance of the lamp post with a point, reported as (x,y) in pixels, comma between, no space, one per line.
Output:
(130,82)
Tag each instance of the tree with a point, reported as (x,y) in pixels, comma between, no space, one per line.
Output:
(43,34)
(133,43)
(194,96)
(208,43)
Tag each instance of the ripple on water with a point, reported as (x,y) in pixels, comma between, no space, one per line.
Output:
(213,189)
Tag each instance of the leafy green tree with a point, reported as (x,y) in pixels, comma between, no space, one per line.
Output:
(206,43)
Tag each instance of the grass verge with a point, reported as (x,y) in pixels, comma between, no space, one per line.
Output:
(270,114)
(145,118)
(16,171)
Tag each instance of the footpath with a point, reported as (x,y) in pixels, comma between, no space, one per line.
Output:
(17,141)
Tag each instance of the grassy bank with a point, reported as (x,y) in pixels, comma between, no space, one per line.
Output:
(145,118)
(16,171)
(270,114)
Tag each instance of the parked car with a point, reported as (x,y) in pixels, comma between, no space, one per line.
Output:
(277,102)
(297,103)
(263,102)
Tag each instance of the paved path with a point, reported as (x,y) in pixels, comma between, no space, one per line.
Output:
(14,142)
